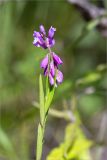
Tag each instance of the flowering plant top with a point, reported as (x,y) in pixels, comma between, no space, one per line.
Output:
(51,61)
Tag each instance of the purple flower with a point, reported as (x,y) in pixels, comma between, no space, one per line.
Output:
(42,30)
(51,32)
(38,40)
(57,59)
(51,69)
(51,79)
(41,40)
(59,76)
(44,62)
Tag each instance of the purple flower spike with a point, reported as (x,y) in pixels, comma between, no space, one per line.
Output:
(57,59)
(51,32)
(59,76)
(51,62)
(38,40)
(42,30)
(44,62)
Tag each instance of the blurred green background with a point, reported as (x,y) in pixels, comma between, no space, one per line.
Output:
(84,70)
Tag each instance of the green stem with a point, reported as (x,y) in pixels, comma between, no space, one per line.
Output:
(45,102)
(41,125)
(39,142)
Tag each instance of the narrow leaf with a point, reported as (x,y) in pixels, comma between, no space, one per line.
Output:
(42,107)
(49,98)
(47,86)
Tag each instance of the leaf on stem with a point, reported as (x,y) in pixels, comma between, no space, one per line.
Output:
(42,107)
(49,97)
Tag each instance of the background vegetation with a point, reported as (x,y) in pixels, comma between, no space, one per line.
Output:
(84,85)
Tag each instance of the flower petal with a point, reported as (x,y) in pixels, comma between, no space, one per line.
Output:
(59,76)
(36,43)
(46,71)
(52,68)
(42,30)
(43,45)
(51,42)
(44,62)
(51,79)
(57,59)
(51,32)
(36,34)
(38,40)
